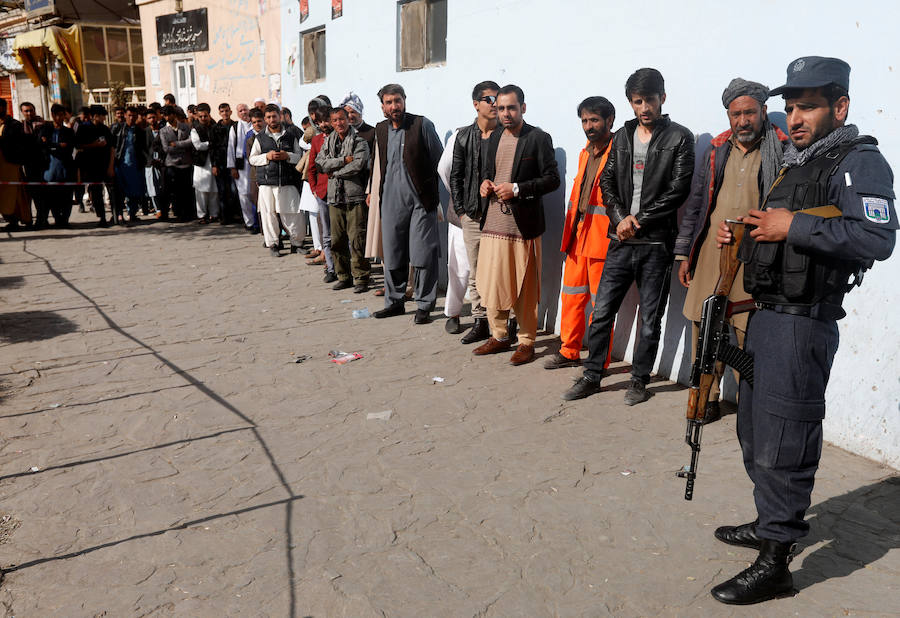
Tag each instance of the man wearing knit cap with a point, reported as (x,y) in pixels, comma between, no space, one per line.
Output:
(740,166)
(826,219)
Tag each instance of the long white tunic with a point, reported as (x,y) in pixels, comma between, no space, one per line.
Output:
(204,181)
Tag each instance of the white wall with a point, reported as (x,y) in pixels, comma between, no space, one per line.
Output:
(561,52)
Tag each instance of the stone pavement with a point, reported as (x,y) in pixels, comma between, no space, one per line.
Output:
(164,454)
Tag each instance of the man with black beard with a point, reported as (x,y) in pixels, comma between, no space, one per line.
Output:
(585,236)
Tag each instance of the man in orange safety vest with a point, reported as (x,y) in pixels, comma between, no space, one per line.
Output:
(585,237)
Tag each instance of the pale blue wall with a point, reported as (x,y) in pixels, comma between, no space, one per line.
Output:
(561,52)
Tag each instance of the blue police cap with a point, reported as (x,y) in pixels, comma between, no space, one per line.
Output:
(815,72)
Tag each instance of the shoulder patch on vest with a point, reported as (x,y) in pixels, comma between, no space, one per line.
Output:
(876,209)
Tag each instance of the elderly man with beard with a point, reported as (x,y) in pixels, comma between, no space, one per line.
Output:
(740,166)
(827,218)
(239,167)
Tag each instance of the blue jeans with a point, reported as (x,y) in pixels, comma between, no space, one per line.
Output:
(650,267)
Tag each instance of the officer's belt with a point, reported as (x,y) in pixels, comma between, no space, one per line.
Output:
(819,311)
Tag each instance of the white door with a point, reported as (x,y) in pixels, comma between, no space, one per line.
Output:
(185,83)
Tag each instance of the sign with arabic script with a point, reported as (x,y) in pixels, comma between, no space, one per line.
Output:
(177,33)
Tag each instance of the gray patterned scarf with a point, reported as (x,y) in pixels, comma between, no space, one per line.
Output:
(771,151)
(796,158)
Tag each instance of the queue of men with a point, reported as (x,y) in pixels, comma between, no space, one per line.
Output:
(819,202)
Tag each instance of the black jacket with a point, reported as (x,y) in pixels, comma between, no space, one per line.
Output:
(140,145)
(11,141)
(465,173)
(534,170)
(667,179)
(218,143)
(54,149)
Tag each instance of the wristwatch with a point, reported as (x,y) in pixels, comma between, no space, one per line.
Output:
(515,189)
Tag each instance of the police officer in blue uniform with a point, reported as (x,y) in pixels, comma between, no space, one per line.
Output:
(827,217)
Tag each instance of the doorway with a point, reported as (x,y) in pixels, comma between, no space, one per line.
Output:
(185,82)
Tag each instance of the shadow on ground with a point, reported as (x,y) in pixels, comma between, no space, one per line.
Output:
(22,326)
(858,528)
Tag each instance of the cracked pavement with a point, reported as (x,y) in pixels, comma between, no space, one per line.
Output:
(162,454)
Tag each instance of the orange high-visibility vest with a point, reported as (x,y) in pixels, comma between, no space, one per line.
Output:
(592,240)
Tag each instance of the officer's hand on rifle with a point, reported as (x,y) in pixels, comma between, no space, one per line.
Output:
(771,225)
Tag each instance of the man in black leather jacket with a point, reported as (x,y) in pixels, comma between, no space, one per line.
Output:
(465,179)
(645,182)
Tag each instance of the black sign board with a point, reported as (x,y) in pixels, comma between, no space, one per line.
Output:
(182,32)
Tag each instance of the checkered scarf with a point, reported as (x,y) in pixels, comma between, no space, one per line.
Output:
(795,158)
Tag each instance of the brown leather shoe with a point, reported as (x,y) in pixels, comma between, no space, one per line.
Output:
(491,346)
(523,354)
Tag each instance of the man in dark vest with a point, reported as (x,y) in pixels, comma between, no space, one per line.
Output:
(827,217)
(275,153)
(408,150)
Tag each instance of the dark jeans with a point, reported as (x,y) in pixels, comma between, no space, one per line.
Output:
(348,241)
(779,420)
(650,267)
(180,192)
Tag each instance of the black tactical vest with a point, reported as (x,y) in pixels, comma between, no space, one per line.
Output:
(781,274)
(278,173)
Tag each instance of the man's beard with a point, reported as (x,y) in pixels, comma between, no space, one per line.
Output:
(748,138)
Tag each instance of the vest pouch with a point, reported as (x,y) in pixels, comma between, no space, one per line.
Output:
(759,276)
(797,275)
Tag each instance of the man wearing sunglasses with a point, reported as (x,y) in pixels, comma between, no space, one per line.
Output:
(467,147)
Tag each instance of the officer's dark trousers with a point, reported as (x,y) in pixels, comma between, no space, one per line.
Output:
(228,202)
(779,420)
(650,267)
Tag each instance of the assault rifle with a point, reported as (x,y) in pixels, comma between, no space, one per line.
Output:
(713,347)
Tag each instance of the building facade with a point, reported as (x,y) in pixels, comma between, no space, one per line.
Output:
(215,52)
(560,53)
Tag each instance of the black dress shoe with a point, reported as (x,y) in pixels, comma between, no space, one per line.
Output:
(742,536)
(767,578)
(452,325)
(480,331)
(273,251)
(712,412)
(422,316)
(584,387)
(360,288)
(397,308)
(343,284)
(330,277)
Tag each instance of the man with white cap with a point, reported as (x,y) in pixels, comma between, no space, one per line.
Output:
(239,166)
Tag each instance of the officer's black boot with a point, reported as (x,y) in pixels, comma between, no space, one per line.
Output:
(767,578)
(743,535)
